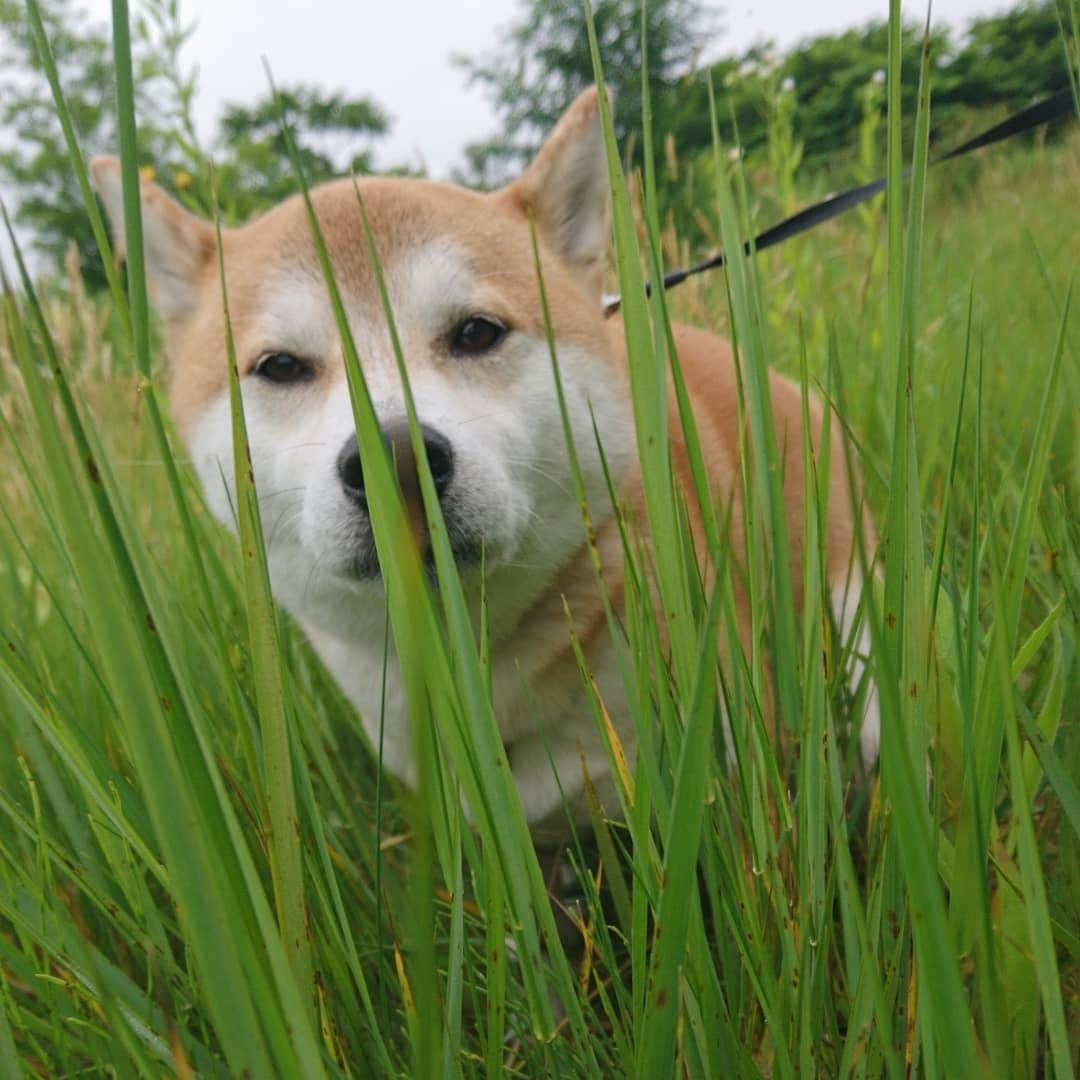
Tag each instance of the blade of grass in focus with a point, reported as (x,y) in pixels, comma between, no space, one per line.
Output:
(800,917)
(273,709)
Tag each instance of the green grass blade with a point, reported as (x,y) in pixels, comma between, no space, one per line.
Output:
(656,1042)
(648,389)
(286,865)
(97,223)
(492,787)
(1031,873)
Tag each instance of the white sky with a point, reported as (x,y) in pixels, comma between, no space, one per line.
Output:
(398,52)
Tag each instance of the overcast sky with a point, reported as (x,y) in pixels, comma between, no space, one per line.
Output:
(398,52)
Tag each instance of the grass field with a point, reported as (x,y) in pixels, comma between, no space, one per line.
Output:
(203,873)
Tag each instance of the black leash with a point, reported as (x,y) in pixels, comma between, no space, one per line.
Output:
(1042,112)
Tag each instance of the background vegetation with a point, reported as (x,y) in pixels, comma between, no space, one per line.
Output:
(202,871)
(825,89)
(334,131)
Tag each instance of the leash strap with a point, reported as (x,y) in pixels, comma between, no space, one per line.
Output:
(1042,112)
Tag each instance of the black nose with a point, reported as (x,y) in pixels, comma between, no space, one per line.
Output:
(437,447)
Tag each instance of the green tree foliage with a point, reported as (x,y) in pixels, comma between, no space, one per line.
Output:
(1008,59)
(333,132)
(34,163)
(823,84)
(1004,61)
(543,62)
(1001,61)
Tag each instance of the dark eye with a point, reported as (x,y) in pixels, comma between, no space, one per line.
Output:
(283,368)
(477,334)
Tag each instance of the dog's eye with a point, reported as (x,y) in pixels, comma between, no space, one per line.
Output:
(477,334)
(283,368)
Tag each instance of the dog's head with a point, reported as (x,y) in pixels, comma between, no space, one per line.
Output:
(460,273)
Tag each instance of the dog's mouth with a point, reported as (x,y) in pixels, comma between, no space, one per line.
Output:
(364,566)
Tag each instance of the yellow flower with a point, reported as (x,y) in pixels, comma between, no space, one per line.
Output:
(183,180)
(147,172)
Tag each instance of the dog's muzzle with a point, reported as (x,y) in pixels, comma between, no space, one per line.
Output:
(440,458)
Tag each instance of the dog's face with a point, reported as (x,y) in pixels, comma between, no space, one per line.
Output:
(462,284)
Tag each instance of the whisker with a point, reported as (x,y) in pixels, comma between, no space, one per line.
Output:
(298,511)
(296,446)
(280,491)
(315,568)
(554,481)
(483,416)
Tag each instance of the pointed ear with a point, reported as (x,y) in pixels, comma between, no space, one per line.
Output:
(566,188)
(177,245)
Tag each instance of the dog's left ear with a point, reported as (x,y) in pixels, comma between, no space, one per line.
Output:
(566,189)
(178,247)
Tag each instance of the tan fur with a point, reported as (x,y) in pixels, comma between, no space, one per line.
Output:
(709,372)
(565,193)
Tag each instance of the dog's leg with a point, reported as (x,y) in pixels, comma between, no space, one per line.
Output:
(846,595)
(536,761)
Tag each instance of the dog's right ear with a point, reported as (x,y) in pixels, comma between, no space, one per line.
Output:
(566,189)
(177,245)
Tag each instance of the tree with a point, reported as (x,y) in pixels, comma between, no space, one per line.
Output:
(543,62)
(332,134)
(34,162)
(1007,59)
(1002,61)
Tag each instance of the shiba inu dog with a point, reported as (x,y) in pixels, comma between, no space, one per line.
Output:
(460,273)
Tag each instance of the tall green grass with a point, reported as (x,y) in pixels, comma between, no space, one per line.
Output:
(203,872)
